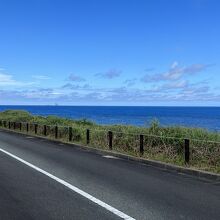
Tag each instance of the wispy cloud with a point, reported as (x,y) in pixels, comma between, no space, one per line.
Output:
(130,82)
(110,74)
(42,93)
(169,86)
(175,72)
(76,78)
(76,86)
(179,92)
(173,85)
(8,80)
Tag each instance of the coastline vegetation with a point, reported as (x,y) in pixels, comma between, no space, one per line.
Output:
(160,143)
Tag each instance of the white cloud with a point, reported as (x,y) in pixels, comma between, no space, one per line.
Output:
(110,74)
(167,86)
(76,86)
(175,91)
(181,84)
(7,80)
(174,65)
(76,78)
(175,72)
(130,82)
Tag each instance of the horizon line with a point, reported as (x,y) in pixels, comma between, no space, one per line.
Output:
(60,105)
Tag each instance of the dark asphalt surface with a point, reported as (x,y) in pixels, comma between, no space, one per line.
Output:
(140,191)
(26,194)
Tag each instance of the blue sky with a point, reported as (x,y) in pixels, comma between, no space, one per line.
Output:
(110,52)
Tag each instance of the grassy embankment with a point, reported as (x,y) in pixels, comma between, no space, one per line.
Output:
(160,143)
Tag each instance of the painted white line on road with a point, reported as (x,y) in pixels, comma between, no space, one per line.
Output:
(111,157)
(73,188)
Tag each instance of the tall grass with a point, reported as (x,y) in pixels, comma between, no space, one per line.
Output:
(160,143)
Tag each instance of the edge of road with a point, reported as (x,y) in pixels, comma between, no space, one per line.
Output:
(200,174)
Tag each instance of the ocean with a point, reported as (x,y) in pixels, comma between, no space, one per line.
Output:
(203,117)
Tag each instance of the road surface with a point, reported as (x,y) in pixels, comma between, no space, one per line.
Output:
(41,179)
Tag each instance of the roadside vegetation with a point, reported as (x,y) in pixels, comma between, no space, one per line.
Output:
(160,143)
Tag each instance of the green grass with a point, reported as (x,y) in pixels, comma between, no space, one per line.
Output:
(160,143)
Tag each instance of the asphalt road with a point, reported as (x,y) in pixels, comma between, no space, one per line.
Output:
(137,190)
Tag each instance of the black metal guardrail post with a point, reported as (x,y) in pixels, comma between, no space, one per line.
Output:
(45,130)
(56,132)
(186,151)
(87,136)
(70,133)
(14,125)
(5,124)
(141,144)
(35,128)
(27,127)
(110,135)
(9,125)
(20,126)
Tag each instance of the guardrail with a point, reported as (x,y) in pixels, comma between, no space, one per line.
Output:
(169,149)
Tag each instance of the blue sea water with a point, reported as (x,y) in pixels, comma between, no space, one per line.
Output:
(204,117)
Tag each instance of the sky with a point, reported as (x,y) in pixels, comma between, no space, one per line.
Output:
(110,52)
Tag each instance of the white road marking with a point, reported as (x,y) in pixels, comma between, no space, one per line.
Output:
(110,157)
(29,137)
(73,188)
